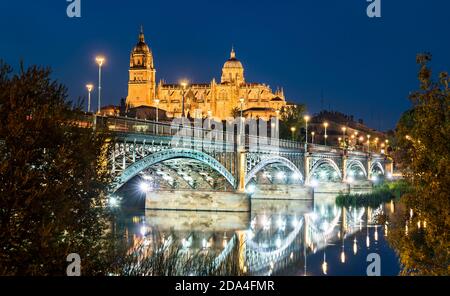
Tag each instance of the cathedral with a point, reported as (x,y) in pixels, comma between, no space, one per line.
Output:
(219,100)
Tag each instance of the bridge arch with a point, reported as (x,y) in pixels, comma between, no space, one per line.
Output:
(354,162)
(167,154)
(322,162)
(272,160)
(377,164)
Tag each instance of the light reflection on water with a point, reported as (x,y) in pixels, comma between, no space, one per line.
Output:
(282,237)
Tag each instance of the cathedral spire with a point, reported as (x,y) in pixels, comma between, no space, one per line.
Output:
(232,54)
(141,35)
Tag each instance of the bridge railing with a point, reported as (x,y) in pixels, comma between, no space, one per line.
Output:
(148,127)
(130,125)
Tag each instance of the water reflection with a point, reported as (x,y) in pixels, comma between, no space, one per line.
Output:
(281,237)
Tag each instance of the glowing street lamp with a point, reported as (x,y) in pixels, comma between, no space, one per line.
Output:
(368,143)
(306,118)
(293,129)
(344,129)
(99,60)
(89,87)
(312,136)
(325,125)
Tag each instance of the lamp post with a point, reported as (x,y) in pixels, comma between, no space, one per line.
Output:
(184,84)
(157,110)
(100,60)
(325,124)
(293,129)
(368,143)
(344,129)
(89,87)
(306,118)
(312,137)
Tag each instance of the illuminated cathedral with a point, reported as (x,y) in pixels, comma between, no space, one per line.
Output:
(219,100)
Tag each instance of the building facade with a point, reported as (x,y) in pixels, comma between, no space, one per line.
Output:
(219,100)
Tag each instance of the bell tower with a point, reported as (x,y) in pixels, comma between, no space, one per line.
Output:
(142,81)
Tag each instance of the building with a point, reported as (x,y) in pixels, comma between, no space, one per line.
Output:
(217,99)
(343,129)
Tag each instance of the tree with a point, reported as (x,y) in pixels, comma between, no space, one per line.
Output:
(423,137)
(52,179)
(235,112)
(292,116)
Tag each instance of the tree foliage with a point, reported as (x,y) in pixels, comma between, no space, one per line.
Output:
(52,179)
(423,137)
(292,116)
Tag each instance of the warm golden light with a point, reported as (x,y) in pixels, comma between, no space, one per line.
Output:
(344,129)
(325,124)
(324,267)
(293,129)
(89,87)
(184,83)
(306,118)
(100,60)
(361,138)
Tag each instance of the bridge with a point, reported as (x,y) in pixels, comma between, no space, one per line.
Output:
(184,157)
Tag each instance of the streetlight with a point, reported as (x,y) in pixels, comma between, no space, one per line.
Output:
(100,60)
(157,103)
(312,136)
(368,143)
(184,84)
(89,87)
(293,129)
(344,129)
(325,124)
(306,118)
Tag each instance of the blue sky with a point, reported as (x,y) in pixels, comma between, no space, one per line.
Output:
(362,66)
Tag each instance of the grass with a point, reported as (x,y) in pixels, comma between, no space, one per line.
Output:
(380,194)
(173,260)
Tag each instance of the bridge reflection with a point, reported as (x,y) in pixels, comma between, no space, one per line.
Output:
(273,237)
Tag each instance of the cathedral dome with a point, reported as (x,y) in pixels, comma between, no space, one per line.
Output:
(232,62)
(141,46)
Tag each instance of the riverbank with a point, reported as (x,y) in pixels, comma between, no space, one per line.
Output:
(380,194)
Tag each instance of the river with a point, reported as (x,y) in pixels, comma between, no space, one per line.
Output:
(277,237)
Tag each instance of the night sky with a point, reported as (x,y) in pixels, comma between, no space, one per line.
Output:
(362,66)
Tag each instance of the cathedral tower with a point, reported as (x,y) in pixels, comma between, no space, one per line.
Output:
(142,82)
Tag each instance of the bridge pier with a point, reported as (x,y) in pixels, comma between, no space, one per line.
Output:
(369,171)
(190,200)
(306,165)
(241,166)
(344,168)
